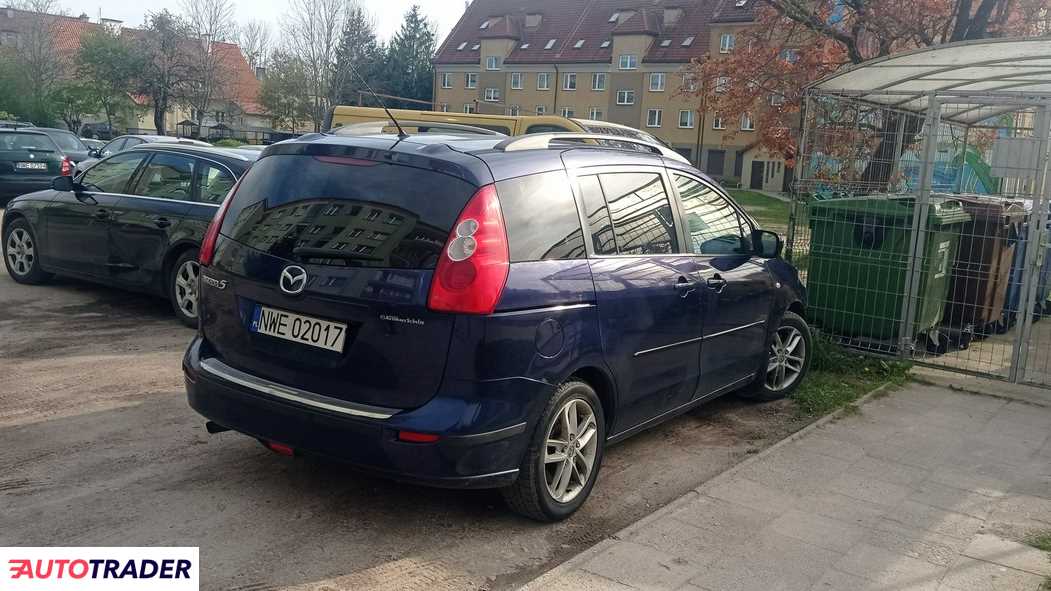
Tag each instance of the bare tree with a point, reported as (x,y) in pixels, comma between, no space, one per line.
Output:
(313,31)
(209,22)
(168,74)
(254,39)
(37,61)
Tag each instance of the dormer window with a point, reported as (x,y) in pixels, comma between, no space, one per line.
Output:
(578,44)
(461,46)
(550,43)
(687,41)
(485,25)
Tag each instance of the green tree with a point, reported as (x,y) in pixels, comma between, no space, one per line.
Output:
(358,57)
(38,63)
(167,71)
(108,66)
(410,73)
(72,100)
(283,92)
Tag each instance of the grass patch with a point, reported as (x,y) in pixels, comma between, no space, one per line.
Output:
(771,213)
(1041,541)
(838,377)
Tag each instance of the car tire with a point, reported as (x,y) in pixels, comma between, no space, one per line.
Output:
(787,361)
(183,287)
(21,254)
(534,494)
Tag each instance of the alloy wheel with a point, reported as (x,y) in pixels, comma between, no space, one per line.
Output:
(186,283)
(21,252)
(570,450)
(787,358)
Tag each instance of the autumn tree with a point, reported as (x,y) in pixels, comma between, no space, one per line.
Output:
(795,42)
(167,68)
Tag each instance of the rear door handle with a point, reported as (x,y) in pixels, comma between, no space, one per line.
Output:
(716,284)
(102,214)
(685,287)
(161,222)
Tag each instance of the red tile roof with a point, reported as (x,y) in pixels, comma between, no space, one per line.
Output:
(570,21)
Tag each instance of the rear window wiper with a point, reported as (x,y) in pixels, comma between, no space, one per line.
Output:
(331,253)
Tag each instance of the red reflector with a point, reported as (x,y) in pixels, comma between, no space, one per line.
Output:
(280,449)
(414,437)
(67,167)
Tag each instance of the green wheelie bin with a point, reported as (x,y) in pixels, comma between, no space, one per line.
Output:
(858,267)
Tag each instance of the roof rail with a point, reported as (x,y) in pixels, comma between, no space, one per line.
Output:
(542,141)
(377,126)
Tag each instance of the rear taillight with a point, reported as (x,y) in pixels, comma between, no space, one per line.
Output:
(211,236)
(67,167)
(473,267)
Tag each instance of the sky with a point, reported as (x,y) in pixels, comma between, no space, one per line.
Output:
(387,14)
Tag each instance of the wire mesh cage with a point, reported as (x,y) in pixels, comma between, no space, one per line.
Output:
(920,228)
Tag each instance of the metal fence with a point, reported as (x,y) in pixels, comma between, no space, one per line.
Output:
(923,237)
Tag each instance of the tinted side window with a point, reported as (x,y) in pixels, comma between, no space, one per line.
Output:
(596,212)
(641,213)
(713,227)
(113,147)
(541,218)
(546,128)
(112,175)
(214,182)
(167,176)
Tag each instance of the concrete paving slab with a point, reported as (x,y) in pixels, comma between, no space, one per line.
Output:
(937,549)
(888,568)
(821,531)
(968,574)
(997,550)
(641,567)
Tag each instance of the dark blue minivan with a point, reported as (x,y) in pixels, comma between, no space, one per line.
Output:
(465,312)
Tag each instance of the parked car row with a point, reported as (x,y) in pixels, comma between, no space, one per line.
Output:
(457,311)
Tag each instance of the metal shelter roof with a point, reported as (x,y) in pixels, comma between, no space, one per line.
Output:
(1000,70)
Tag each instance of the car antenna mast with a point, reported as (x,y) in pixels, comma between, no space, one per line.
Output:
(401,132)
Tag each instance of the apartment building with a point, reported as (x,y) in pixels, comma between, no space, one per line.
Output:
(614,60)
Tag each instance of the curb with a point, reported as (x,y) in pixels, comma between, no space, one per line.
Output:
(548,578)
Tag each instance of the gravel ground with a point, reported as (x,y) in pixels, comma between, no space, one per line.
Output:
(98,447)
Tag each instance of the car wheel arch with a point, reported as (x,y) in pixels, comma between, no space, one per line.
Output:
(798,308)
(173,255)
(602,382)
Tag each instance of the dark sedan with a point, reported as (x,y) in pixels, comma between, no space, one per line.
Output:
(134,220)
(67,142)
(28,162)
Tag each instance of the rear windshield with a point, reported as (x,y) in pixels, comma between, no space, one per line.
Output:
(333,210)
(25,141)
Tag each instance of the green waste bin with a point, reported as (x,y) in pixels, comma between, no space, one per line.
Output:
(859,261)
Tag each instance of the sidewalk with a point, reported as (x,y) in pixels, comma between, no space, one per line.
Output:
(925,489)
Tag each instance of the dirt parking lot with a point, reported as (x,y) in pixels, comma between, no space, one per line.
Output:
(98,447)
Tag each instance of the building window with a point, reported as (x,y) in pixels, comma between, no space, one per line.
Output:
(578,44)
(550,43)
(722,84)
(666,43)
(625,97)
(717,122)
(444,107)
(598,81)
(689,83)
(777,99)
(595,113)
(524,46)
(629,62)
(605,44)
(746,123)
(447,80)
(485,24)
(613,18)
(726,42)
(492,63)
(686,119)
(790,55)
(468,108)
(475,46)
(492,95)
(653,117)
(569,81)
(470,80)
(657,82)
(568,112)
(516,80)
(461,46)
(541,109)
(543,81)
(514,110)
(688,41)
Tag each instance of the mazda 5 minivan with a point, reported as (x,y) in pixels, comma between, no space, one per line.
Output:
(464,312)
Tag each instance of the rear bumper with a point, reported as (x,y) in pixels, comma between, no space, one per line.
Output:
(486,459)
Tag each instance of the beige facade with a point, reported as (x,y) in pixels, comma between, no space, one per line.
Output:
(627,90)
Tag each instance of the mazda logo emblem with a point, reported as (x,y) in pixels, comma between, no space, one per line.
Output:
(293,280)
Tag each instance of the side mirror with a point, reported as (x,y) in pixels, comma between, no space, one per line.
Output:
(94,153)
(62,183)
(767,244)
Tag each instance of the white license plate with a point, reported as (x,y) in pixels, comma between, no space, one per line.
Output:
(31,165)
(300,329)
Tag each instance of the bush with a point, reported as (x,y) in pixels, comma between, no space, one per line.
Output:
(227,143)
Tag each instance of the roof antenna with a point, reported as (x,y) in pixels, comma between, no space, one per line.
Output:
(401,132)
